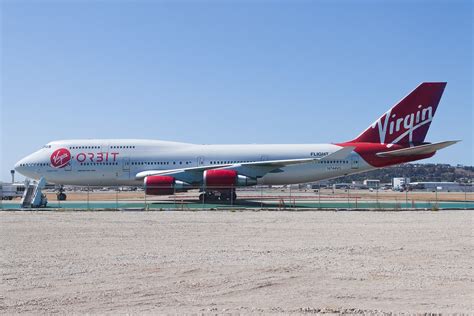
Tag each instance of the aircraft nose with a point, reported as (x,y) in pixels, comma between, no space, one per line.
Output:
(19,165)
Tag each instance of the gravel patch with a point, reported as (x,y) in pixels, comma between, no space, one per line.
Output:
(236,262)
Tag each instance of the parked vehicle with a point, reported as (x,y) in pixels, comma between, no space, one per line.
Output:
(9,191)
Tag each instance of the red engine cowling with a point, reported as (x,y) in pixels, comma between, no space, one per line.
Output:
(159,185)
(163,185)
(225,179)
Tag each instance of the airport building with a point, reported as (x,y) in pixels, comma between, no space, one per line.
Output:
(442,186)
(399,184)
(372,183)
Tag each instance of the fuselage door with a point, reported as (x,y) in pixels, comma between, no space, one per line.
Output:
(200,161)
(126,164)
(125,168)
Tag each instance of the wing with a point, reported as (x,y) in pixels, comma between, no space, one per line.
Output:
(417,150)
(251,169)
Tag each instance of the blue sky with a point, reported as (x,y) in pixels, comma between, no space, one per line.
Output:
(228,72)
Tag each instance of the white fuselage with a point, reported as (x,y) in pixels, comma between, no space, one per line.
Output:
(117,162)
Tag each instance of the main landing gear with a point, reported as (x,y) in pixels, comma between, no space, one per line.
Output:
(224,195)
(61,195)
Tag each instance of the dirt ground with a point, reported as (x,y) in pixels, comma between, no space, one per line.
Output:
(236,262)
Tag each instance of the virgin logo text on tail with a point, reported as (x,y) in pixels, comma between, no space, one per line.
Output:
(407,124)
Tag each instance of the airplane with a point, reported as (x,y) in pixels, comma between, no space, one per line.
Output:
(164,168)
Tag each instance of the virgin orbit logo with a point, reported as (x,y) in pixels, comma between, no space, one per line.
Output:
(60,158)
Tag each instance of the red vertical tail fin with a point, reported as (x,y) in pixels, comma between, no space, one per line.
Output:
(408,121)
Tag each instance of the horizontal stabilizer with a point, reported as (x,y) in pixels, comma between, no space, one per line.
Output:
(417,150)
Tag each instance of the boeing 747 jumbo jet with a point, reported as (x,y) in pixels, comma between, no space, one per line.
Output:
(164,168)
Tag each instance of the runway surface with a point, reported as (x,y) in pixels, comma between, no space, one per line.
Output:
(175,262)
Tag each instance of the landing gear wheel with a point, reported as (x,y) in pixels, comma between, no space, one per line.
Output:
(61,196)
(228,196)
(208,197)
(225,197)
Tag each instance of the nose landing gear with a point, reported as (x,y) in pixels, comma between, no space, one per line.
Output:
(61,196)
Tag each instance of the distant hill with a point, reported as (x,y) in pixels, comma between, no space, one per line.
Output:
(417,172)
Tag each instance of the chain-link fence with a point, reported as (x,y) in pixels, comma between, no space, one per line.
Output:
(257,197)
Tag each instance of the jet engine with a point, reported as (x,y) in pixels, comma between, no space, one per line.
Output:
(225,179)
(163,185)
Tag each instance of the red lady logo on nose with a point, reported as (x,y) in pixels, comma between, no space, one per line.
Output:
(60,158)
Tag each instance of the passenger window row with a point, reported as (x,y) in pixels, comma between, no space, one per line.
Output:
(228,162)
(150,163)
(99,163)
(98,147)
(34,164)
(334,161)
(84,147)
